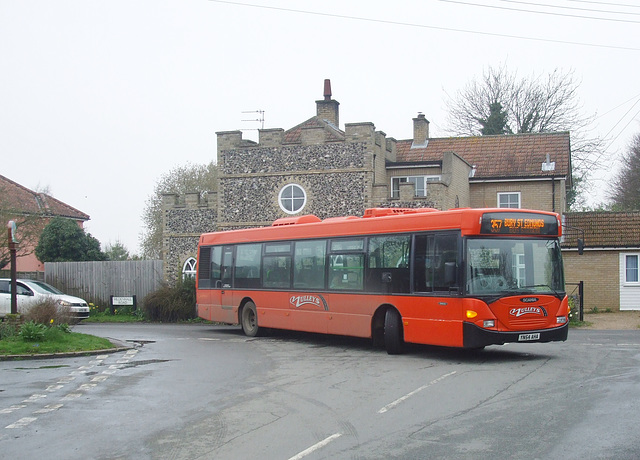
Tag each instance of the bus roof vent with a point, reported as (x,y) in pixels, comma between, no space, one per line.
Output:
(340,219)
(307,219)
(383,212)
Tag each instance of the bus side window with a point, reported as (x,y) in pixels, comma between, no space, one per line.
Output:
(309,263)
(247,266)
(276,271)
(388,264)
(345,271)
(346,264)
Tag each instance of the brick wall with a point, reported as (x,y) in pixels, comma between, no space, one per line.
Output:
(600,272)
(533,194)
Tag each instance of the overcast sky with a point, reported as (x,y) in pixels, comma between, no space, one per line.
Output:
(99,98)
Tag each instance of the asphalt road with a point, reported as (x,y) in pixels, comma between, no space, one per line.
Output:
(207,392)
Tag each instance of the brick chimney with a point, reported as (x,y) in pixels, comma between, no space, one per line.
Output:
(420,131)
(327,109)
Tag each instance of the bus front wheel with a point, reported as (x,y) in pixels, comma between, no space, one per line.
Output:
(249,320)
(393,339)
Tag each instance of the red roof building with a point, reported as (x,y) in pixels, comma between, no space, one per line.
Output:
(31,211)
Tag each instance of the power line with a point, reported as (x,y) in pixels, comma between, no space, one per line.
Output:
(593,10)
(423,26)
(604,3)
(538,12)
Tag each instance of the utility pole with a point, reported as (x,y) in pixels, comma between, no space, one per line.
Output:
(13,248)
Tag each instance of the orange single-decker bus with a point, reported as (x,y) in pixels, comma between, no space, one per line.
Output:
(457,278)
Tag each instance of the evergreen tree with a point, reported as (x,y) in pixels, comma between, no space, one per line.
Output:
(62,240)
(496,122)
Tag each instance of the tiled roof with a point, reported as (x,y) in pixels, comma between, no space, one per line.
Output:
(495,157)
(602,229)
(17,198)
(294,135)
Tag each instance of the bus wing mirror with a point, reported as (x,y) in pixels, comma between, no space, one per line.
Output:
(580,246)
(449,273)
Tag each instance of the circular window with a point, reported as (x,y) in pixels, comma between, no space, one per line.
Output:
(292,198)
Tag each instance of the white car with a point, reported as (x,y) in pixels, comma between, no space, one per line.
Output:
(30,292)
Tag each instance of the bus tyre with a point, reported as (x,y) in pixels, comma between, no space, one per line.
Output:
(249,320)
(393,340)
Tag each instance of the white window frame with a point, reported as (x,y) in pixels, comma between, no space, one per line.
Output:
(395,191)
(625,269)
(293,200)
(510,195)
(189,268)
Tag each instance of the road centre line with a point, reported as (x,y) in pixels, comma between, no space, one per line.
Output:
(315,447)
(408,395)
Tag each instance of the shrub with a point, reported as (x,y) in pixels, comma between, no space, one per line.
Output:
(32,331)
(171,304)
(49,312)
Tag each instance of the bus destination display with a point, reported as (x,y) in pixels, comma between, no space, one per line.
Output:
(518,224)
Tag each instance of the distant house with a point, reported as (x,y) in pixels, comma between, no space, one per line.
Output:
(31,211)
(609,265)
(318,167)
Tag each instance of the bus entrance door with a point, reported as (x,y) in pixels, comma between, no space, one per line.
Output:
(229,311)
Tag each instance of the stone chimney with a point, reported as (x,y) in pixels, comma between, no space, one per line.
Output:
(420,131)
(327,109)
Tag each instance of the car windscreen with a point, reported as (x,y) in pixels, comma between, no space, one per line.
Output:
(44,288)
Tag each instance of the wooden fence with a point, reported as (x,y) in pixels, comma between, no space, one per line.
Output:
(96,282)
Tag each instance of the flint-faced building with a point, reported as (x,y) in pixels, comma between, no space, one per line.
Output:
(321,168)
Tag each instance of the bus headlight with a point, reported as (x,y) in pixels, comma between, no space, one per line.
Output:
(561,319)
(489,323)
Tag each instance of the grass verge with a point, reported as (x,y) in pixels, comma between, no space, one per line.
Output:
(54,341)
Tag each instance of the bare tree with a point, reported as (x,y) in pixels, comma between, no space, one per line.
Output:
(536,104)
(182,179)
(625,191)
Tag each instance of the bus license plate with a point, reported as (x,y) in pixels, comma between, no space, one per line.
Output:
(527,337)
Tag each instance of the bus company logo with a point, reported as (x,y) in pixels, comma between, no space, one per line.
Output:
(300,300)
(529,299)
(517,312)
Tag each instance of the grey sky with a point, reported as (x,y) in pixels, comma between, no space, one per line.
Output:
(99,98)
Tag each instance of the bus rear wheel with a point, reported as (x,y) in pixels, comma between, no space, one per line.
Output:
(249,320)
(393,336)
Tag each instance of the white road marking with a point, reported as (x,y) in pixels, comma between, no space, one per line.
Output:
(86,386)
(13,408)
(33,398)
(408,395)
(22,422)
(48,408)
(315,447)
